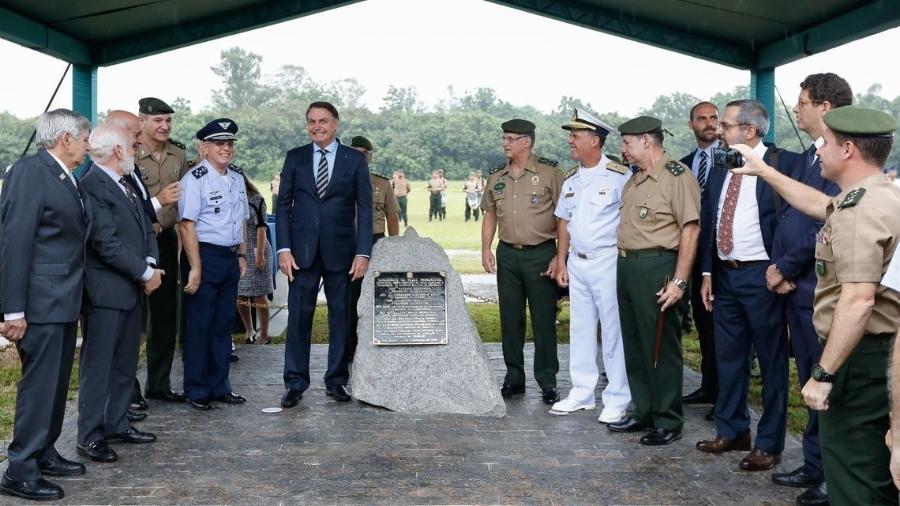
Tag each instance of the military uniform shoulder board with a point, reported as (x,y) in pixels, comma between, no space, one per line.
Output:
(499,167)
(571,173)
(616,167)
(379,175)
(675,168)
(236,168)
(176,143)
(547,161)
(199,171)
(853,197)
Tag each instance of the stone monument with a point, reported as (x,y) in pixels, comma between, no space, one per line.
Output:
(419,351)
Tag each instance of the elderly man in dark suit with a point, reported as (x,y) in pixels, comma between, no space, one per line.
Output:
(324,231)
(121,260)
(737,225)
(44,219)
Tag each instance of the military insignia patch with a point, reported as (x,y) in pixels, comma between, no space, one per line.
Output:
(176,143)
(535,199)
(675,168)
(643,213)
(535,180)
(853,197)
(236,168)
(547,161)
(499,186)
(572,173)
(820,268)
(616,167)
(199,171)
(498,167)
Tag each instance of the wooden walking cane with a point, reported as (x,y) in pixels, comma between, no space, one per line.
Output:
(660,321)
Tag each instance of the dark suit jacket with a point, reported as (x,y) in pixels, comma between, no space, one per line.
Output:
(794,246)
(338,226)
(119,241)
(765,198)
(140,189)
(43,227)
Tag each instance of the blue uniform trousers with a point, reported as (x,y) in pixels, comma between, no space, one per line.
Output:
(807,351)
(746,313)
(209,319)
(302,296)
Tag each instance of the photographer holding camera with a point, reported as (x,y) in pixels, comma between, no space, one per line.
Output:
(737,225)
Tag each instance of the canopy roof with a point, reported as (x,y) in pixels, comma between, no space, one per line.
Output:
(757,34)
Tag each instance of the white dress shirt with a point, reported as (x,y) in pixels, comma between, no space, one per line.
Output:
(747,236)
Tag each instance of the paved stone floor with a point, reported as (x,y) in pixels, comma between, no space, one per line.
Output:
(323,452)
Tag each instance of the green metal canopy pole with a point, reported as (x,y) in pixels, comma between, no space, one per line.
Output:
(84,99)
(762,89)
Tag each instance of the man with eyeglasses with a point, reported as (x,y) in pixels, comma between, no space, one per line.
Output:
(212,211)
(161,163)
(518,203)
(737,227)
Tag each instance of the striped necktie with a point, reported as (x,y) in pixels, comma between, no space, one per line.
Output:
(701,170)
(322,174)
(128,193)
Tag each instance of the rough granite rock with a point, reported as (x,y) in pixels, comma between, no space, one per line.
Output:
(451,378)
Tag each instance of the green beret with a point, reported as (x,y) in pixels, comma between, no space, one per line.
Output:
(153,106)
(518,126)
(640,125)
(361,142)
(858,121)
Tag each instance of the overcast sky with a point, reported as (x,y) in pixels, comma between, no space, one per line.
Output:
(433,44)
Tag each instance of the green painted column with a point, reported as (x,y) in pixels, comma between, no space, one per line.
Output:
(84,99)
(762,88)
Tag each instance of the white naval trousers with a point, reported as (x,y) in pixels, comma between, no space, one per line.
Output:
(592,297)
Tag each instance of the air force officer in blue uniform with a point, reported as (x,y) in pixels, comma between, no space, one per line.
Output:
(324,231)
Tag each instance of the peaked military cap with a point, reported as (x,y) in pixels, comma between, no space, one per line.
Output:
(153,106)
(858,121)
(583,120)
(518,126)
(640,125)
(222,129)
(361,142)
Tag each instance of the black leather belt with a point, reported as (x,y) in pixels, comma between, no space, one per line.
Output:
(524,246)
(638,253)
(739,264)
(221,249)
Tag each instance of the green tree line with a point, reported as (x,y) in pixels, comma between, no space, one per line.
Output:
(458,134)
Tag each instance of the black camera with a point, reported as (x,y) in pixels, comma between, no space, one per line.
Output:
(727,159)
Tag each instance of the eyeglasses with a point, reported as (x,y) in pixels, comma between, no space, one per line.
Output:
(222,143)
(505,139)
(807,102)
(728,126)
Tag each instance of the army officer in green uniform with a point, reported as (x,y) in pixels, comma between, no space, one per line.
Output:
(658,235)
(385,210)
(853,313)
(519,199)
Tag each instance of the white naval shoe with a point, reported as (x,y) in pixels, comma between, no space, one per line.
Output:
(568,406)
(610,415)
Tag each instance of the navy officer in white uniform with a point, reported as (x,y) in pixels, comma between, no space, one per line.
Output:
(211,213)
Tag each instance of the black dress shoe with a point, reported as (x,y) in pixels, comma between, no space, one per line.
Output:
(37,490)
(291,398)
(234,358)
(167,396)
(61,467)
(98,451)
(231,398)
(132,436)
(339,392)
(201,404)
(138,404)
(795,478)
(550,396)
(817,495)
(134,416)
(508,390)
(660,437)
(698,397)
(627,425)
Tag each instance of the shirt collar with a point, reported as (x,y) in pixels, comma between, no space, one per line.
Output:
(330,149)
(109,172)
(61,164)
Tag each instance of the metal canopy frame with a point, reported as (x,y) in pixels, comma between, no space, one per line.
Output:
(849,20)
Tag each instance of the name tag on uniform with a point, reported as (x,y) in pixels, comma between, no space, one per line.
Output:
(569,195)
(215,196)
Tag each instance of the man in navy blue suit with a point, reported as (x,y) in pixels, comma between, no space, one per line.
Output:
(324,232)
(737,226)
(704,122)
(793,258)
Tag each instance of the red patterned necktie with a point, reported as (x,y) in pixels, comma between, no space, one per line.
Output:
(725,239)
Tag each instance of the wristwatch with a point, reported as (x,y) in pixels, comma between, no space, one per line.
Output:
(821,375)
(242,255)
(680,283)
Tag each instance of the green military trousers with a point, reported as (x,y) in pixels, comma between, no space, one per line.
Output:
(519,280)
(655,390)
(163,317)
(851,430)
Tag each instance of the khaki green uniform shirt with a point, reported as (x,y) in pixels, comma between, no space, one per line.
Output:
(524,206)
(383,201)
(657,204)
(855,246)
(159,174)
(401,187)
(436,185)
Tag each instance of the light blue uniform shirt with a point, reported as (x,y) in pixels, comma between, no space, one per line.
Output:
(331,153)
(216,203)
(589,202)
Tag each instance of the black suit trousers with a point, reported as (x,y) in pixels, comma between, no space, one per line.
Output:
(163,317)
